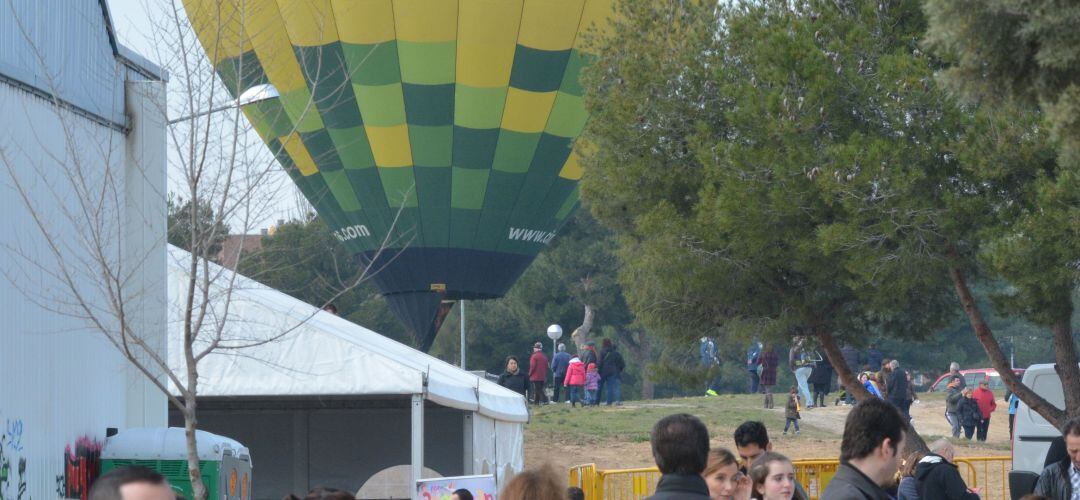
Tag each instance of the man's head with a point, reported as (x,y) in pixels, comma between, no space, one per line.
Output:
(943,448)
(680,444)
(894,364)
(1071,432)
(954,366)
(984,385)
(131,483)
(461,494)
(751,440)
(873,438)
(538,347)
(873,345)
(562,347)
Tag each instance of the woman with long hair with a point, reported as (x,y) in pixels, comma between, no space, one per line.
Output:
(773,477)
(725,480)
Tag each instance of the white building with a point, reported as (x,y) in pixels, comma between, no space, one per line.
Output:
(74,105)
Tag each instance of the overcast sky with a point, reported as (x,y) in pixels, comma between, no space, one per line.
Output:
(131,20)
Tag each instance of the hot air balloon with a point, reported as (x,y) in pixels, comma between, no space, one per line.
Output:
(434,137)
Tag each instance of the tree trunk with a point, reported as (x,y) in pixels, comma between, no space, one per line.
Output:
(1066,367)
(198,489)
(836,358)
(581,333)
(913,441)
(1001,363)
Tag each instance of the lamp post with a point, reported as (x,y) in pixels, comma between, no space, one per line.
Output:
(554,332)
(252,95)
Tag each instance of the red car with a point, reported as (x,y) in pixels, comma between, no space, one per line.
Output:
(973,376)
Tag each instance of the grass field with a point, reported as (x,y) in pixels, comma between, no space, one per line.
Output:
(618,437)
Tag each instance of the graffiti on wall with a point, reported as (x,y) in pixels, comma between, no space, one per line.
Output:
(82,464)
(12,487)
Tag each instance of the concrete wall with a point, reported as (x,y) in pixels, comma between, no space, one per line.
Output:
(299,444)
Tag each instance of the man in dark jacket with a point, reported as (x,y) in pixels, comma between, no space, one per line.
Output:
(937,476)
(559,363)
(869,452)
(1057,479)
(680,447)
(611,368)
(897,389)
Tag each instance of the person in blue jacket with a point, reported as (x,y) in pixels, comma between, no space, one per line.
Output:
(559,362)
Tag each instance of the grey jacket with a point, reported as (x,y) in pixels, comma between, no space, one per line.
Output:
(1054,481)
(952,397)
(850,484)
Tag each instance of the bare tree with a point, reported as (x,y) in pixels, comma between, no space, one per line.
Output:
(216,163)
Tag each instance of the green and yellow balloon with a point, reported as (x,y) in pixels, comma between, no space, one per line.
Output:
(440,128)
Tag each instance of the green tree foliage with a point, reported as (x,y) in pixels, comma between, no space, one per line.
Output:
(1024,55)
(188,224)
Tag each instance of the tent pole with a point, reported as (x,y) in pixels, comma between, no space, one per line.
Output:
(462,334)
(416,468)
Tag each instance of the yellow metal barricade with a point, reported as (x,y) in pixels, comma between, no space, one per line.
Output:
(988,474)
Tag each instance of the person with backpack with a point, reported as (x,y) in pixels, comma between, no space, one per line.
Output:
(611,368)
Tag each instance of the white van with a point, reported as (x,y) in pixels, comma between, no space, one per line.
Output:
(1032,434)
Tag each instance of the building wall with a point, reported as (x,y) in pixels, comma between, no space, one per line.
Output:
(61,382)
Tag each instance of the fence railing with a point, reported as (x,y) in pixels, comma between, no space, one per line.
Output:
(988,474)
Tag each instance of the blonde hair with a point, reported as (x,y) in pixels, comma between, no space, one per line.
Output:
(534,484)
(718,459)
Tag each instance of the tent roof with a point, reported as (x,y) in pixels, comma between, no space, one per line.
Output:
(321,355)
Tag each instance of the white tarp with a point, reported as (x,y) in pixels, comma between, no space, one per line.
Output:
(321,355)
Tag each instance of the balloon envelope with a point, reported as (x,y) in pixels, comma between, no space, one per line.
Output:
(433,136)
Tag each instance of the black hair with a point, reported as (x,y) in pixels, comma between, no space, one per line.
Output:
(463,494)
(680,444)
(606,343)
(107,486)
(575,493)
(1071,427)
(752,432)
(508,358)
(331,308)
(868,425)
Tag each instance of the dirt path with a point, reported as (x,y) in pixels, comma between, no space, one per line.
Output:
(820,436)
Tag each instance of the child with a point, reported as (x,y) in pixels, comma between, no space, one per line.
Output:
(773,477)
(791,411)
(575,381)
(592,385)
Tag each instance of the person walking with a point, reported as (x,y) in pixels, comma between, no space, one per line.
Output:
(791,411)
(821,380)
(898,389)
(968,410)
(800,362)
(559,363)
(711,363)
(592,385)
(952,399)
(753,366)
(575,382)
(987,404)
(512,378)
(611,368)
(769,362)
(538,367)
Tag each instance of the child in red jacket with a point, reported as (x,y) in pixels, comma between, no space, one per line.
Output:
(575,381)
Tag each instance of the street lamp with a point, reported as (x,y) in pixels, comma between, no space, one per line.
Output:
(554,332)
(252,95)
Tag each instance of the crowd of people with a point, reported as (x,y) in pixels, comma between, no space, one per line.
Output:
(871,467)
(588,377)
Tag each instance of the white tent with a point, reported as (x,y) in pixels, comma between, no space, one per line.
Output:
(323,355)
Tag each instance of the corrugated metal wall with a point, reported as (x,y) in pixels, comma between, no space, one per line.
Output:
(62,46)
(62,385)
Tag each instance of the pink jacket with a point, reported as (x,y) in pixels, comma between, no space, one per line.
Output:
(575,373)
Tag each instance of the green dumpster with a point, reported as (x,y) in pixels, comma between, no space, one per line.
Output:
(224,462)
